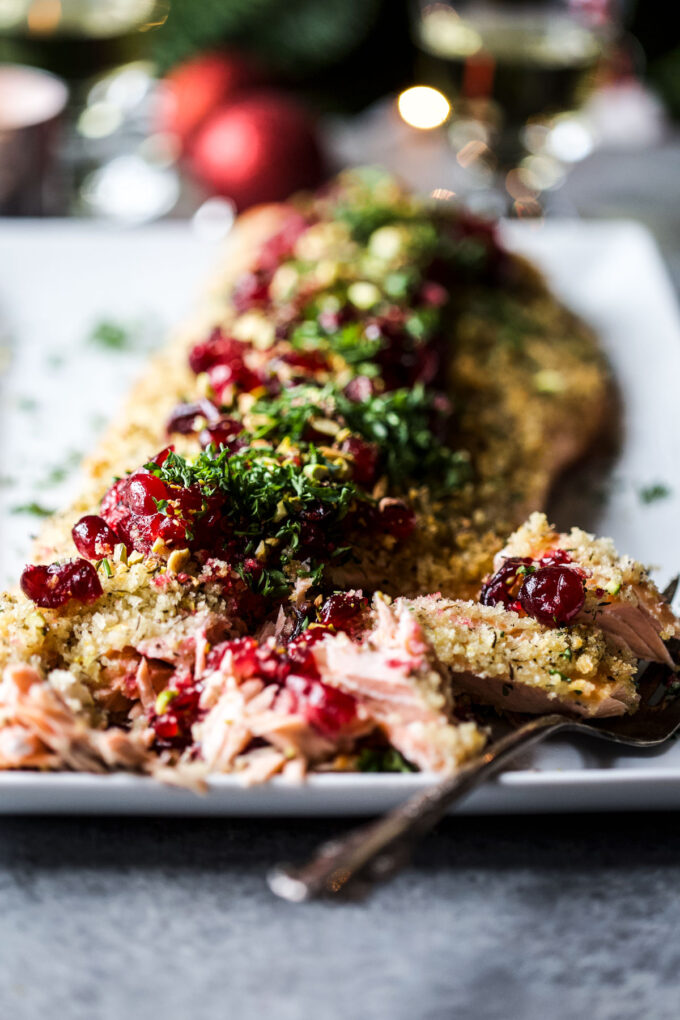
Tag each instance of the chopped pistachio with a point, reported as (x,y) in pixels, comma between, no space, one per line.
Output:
(163,700)
(177,560)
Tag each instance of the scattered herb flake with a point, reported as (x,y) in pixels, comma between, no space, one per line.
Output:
(34,509)
(655,491)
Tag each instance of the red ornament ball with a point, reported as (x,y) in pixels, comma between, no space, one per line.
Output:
(258,149)
(193,89)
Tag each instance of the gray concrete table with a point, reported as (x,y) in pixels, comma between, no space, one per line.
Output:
(538,917)
(532,917)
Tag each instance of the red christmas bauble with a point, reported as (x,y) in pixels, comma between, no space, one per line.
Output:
(193,89)
(258,149)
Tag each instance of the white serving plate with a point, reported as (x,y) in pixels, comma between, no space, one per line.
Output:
(59,279)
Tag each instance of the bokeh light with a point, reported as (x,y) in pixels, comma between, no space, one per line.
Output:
(423,107)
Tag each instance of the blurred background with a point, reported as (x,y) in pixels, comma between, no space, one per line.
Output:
(135,110)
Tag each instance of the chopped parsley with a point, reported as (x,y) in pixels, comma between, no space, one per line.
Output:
(270,503)
(112,336)
(33,509)
(653,493)
(399,422)
(386,759)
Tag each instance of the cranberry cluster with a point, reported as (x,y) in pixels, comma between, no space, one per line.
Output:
(551,590)
(292,668)
(223,358)
(131,510)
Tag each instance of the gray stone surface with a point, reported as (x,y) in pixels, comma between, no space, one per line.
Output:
(498,918)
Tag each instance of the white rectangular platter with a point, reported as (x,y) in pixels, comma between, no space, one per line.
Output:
(59,280)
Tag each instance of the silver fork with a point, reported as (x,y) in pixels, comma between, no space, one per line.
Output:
(376,851)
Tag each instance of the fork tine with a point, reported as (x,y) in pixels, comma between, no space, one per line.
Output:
(671,588)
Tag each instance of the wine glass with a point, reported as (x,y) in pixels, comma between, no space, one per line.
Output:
(512,72)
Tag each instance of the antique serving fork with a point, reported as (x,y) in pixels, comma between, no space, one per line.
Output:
(377,850)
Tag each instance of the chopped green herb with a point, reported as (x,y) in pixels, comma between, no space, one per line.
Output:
(654,492)
(269,498)
(562,676)
(383,760)
(34,509)
(399,422)
(112,336)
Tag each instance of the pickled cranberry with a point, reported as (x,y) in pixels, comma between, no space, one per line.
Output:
(93,538)
(396,518)
(162,456)
(218,349)
(313,529)
(299,651)
(143,490)
(556,557)
(326,708)
(343,610)
(113,500)
(308,361)
(364,459)
(402,360)
(236,374)
(223,433)
(281,244)
(498,588)
(53,586)
(184,417)
(553,595)
(173,726)
(171,531)
(250,290)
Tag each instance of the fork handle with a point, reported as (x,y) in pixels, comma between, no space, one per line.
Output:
(375,851)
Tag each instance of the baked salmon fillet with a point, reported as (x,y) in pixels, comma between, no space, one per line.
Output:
(373,394)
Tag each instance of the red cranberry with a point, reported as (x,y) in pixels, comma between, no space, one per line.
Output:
(218,349)
(236,373)
(161,457)
(113,499)
(184,417)
(250,290)
(556,557)
(299,650)
(553,595)
(343,610)
(313,528)
(223,433)
(403,361)
(326,708)
(498,588)
(53,586)
(173,727)
(364,459)
(309,362)
(93,538)
(143,490)
(280,246)
(396,518)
